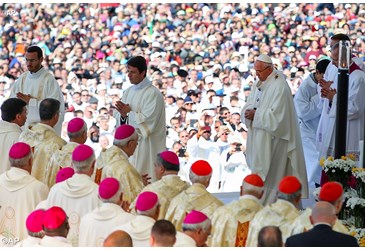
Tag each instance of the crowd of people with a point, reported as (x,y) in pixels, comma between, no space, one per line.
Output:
(112,86)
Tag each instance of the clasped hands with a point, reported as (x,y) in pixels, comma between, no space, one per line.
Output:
(24,97)
(326,90)
(250,114)
(122,108)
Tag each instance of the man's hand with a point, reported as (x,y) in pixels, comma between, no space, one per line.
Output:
(250,114)
(325,84)
(146,179)
(125,206)
(328,93)
(122,108)
(24,97)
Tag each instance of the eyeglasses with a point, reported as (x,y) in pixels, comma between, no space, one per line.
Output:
(206,132)
(225,134)
(2,82)
(260,71)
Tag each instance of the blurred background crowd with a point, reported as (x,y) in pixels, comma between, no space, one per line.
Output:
(200,55)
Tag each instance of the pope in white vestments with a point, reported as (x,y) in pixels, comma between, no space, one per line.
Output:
(143,107)
(37,84)
(98,224)
(274,146)
(19,193)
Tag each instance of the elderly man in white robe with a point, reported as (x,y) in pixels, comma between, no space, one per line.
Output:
(13,115)
(306,102)
(37,84)
(143,107)
(61,158)
(98,224)
(274,146)
(34,224)
(139,228)
(19,193)
(77,195)
(196,230)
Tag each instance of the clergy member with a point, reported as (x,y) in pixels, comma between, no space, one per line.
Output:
(143,107)
(282,213)
(77,133)
(114,162)
(42,137)
(56,228)
(19,192)
(13,115)
(196,229)
(169,184)
(34,227)
(274,146)
(37,84)
(331,192)
(139,228)
(99,223)
(196,197)
(77,195)
(231,222)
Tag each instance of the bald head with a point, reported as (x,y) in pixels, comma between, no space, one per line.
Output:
(270,236)
(323,212)
(118,238)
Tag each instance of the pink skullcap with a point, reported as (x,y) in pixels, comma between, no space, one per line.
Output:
(19,150)
(254,180)
(146,201)
(201,168)
(124,131)
(289,185)
(82,152)
(34,221)
(331,191)
(64,173)
(108,188)
(170,157)
(53,218)
(75,125)
(195,217)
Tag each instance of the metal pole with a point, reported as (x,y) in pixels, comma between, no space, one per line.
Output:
(341,113)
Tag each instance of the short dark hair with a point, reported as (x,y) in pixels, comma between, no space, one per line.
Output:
(48,108)
(340,36)
(139,62)
(12,107)
(164,232)
(270,236)
(322,65)
(37,49)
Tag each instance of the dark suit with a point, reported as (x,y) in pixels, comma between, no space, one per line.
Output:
(321,236)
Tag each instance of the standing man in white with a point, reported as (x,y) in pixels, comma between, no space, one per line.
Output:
(143,107)
(274,146)
(37,84)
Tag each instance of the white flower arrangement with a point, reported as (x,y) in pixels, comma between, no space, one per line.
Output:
(359,173)
(316,193)
(355,201)
(350,193)
(359,234)
(345,164)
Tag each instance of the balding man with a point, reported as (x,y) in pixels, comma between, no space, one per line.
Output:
(270,236)
(118,238)
(281,213)
(231,222)
(274,146)
(323,218)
